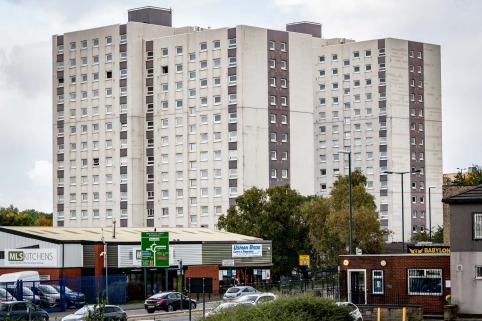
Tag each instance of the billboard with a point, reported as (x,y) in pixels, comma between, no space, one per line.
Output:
(246,250)
(31,257)
(155,249)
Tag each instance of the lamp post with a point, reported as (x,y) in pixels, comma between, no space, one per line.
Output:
(350,215)
(104,254)
(430,212)
(403,207)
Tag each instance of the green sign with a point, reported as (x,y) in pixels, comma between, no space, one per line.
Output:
(155,249)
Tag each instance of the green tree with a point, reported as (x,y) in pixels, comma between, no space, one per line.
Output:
(438,235)
(11,216)
(328,221)
(272,214)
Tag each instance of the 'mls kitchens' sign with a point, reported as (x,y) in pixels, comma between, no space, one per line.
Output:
(247,250)
(31,257)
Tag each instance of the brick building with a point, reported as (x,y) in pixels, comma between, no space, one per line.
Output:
(400,279)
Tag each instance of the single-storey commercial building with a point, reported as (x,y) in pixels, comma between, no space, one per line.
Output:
(71,253)
(396,279)
(466,250)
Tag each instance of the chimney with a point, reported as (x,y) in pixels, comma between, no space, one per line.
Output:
(151,15)
(310,28)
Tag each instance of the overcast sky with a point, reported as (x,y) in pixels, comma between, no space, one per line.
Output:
(26,27)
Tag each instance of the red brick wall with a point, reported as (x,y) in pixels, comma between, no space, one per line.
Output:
(396,278)
(206,271)
(55,273)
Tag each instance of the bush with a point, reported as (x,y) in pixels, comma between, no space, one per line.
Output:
(298,308)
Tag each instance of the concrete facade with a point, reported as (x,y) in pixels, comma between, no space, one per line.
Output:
(197,116)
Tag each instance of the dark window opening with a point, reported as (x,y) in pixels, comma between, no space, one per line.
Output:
(108,74)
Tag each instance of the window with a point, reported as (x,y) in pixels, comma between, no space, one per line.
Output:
(425,281)
(179,50)
(478,272)
(477,226)
(232,43)
(271,45)
(377,282)
(282,46)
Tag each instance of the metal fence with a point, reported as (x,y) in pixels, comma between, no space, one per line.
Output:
(69,292)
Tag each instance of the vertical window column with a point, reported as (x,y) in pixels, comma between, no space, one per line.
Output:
(149,84)
(59,82)
(278,107)
(123,123)
(382,118)
(417,135)
(232,110)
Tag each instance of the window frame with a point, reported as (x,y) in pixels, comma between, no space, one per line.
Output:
(382,278)
(425,272)
(476,237)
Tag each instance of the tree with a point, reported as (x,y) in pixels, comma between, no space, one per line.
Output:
(271,214)
(11,216)
(438,235)
(328,221)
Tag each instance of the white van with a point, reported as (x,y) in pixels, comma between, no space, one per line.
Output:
(25,276)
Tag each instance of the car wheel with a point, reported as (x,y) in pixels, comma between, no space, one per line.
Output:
(44,318)
(170,308)
(193,306)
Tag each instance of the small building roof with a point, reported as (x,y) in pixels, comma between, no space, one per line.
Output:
(470,196)
(123,234)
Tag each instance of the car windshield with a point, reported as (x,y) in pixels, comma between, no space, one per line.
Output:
(82,311)
(68,290)
(247,298)
(47,289)
(4,293)
(233,290)
(3,307)
(158,296)
(223,306)
(27,291)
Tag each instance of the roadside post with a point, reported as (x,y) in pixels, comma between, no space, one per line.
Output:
(154,253)
(189,289)
(204,299)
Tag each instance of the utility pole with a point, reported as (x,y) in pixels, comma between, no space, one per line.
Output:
(430,212)
(350,213)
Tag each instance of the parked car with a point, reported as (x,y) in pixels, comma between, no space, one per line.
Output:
(111,313)
(235,292)
(5,296)
(27,295)
(49,296)
(354,311)
(168,301)
(256,298)
(72,298)
(221,307)
(22,310)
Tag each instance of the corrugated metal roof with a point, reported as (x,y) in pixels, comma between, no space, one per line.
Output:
(126,234)
(472,195)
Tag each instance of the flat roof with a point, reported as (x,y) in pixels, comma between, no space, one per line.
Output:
(123,234)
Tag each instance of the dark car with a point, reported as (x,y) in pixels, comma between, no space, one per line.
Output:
(27,295)
(168,301)
(72,298)
(49,296)
(22,310)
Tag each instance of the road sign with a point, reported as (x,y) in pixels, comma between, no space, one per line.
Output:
(155,249)
(304,260)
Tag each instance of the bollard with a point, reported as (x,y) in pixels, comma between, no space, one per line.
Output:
(379,314)
(404,314)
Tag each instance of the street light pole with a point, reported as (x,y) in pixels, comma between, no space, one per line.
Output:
(430,212)
(350,214)
(403,206)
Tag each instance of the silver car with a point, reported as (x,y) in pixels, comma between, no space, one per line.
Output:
(238,291)
(354,311)
(256,298)
(111,312)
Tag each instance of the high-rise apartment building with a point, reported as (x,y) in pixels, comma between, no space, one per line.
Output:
(163,126)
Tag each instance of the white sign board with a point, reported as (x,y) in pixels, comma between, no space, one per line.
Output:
(136,256)
(247,250)
(31,257)
(227,262)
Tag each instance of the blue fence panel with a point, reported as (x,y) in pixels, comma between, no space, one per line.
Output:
(93,288)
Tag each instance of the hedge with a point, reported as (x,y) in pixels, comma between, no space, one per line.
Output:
(297,308)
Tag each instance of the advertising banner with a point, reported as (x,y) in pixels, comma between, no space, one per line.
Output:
(31,257)
(247,250)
